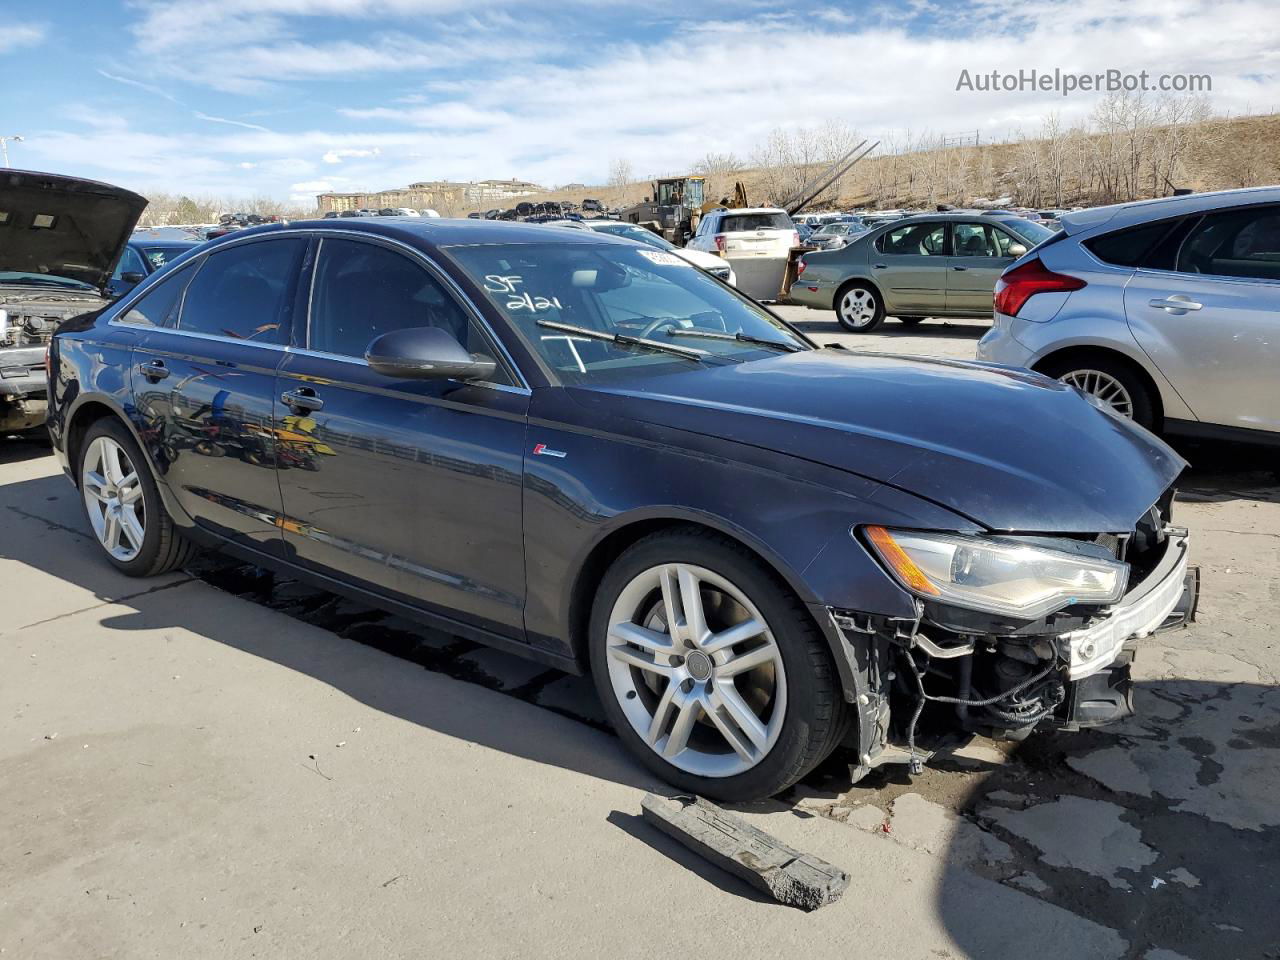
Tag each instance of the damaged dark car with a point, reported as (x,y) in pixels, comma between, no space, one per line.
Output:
(60,238)
(590,453)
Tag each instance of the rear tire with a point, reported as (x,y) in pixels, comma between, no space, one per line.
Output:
(1109,380)
(797,712)
(858,307)
(123,506)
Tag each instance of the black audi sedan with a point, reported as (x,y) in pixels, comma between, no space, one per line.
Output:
(591,453)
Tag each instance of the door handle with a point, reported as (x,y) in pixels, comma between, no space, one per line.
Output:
(878,266)
(304,398)
(153,370)
(1177,304)
(961,269)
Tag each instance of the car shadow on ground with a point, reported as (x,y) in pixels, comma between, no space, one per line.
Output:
(15,448)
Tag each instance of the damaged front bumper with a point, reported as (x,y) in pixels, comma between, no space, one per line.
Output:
(1005,684)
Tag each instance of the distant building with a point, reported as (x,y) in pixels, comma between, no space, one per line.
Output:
(447,196)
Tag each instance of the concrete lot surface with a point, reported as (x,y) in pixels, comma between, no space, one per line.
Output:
(220,763)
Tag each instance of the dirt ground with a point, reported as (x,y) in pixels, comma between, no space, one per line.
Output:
(228,763)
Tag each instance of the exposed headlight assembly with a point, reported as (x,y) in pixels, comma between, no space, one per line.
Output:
(994,575)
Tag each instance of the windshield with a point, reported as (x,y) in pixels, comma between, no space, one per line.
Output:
(159,256)
(618,289)
(15,278)
(630,231)
(1029,230)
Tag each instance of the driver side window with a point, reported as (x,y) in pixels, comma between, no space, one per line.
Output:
(363,290)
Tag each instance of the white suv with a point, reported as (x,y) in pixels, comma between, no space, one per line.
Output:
(756,242)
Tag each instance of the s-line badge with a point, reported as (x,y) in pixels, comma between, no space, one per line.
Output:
(542,450)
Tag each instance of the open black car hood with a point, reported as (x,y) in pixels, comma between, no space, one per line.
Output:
(1009,449)
(64,226)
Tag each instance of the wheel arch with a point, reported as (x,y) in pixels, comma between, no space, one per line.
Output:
(1079,352)
(857,281)
(612,544)
(86,414)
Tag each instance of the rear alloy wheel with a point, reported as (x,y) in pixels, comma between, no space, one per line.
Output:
(709,671)
(122,504)
(1111,383)
(858,308)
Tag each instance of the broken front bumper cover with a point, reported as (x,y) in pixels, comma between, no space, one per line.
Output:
(1153,604)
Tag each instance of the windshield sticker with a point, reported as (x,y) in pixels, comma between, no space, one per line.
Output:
(662,258)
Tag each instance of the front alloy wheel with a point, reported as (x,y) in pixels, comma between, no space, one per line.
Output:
(113,499)
(710,669)
(696,670)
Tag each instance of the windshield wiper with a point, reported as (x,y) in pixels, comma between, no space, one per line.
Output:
(625,340)
(739,336)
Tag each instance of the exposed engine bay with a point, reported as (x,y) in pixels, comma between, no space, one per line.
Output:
(1005,676)
(28,317)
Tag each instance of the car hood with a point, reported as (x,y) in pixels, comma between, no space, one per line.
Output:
(85,225)
(1006,448)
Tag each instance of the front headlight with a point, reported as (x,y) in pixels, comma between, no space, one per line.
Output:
(994,575)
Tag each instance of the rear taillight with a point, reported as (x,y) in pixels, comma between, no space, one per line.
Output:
(1017,286)
(800,265)
(719,238)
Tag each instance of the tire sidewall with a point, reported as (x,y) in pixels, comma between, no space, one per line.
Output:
(152,506)
(871,324)
(776,771)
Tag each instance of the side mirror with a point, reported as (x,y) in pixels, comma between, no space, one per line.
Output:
(1017,250)
(132,277)
(425,353)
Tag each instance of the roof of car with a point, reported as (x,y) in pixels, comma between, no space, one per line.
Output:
(737,210)
(1140,211)
(439,231)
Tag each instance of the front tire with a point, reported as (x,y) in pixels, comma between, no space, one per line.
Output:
(123,506)
(736,702)
(858,307)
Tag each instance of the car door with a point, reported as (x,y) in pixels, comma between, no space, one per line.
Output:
(1211,321)
(909,265)
(408,488)
(204,386)
(979,254)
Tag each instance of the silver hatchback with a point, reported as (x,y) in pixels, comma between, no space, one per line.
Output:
(1168,310)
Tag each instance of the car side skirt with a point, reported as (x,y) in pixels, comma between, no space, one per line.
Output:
(1217,431)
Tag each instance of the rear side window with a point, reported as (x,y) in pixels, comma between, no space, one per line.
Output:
(917,239)
(736,222)
(1234,243)
(159,305)
(244,292)
(1129,247)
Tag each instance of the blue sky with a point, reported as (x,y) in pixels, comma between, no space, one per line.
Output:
(291,97)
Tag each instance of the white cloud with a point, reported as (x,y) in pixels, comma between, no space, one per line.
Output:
(337,156)
(16,35)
